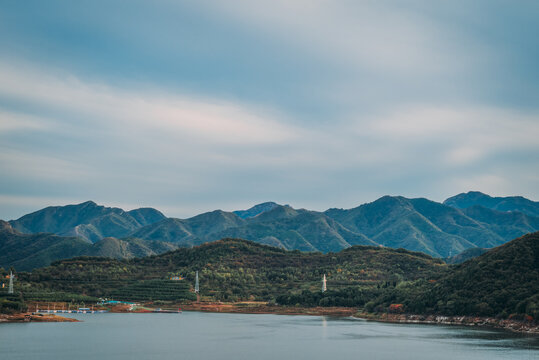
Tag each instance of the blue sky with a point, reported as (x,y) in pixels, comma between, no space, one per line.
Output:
(193,106)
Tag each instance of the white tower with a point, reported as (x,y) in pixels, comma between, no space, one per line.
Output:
(10,289)
(197,289)
(324,288)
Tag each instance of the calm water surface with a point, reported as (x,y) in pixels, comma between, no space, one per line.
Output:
(194,336)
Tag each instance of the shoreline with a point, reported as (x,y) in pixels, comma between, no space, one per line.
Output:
(515,326)
(253,307)
(33,317)
(258,308)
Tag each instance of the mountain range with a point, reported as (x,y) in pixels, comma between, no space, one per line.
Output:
(28,251)
(87,220)
(466,221)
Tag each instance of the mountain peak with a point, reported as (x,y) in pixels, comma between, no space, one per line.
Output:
(87,219)
(256,210)
(505,204)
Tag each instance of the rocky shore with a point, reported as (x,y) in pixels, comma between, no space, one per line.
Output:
(511,325)
(33,317)
(262,308)
(255,307)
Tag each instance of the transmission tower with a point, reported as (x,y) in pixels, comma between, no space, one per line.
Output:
(197,289)
(10,289)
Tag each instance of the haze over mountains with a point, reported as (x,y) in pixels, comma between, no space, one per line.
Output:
(472,220)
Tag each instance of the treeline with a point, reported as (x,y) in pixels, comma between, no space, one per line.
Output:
(346,297)
(11,303)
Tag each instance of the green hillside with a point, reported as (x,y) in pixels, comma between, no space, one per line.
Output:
(238,269)
(503,281)
(465,255)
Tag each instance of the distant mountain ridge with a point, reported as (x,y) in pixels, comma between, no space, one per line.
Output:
(28,251)
(393,221)
(86,220)
(430,227)
(420,224)
(509,203)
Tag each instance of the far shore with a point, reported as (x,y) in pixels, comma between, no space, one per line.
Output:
(33,317)
(258,307)
(255,307)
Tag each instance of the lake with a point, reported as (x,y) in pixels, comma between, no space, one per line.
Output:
(195,335)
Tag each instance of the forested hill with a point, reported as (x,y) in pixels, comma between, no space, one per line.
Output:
(503,281)
(237,269)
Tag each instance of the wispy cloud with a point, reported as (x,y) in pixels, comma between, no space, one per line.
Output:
(464,135)
(221,105)
(149,109)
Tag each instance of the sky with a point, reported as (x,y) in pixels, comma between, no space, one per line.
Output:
(192,106)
